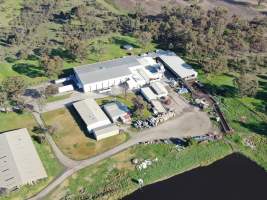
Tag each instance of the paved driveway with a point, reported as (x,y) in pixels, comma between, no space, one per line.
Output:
(189,124)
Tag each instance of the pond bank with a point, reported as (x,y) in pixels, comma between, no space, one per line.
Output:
(234,177)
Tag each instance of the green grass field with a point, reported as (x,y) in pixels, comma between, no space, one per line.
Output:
(73,139)
(11,121)
(57,98)
(111,45)
(245,114)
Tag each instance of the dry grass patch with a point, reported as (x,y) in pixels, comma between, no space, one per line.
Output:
(70,135)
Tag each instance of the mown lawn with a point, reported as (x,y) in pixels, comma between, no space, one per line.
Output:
(72,138)
(245,114)
(12,121)
(111,45)
(57,98)
(114,177)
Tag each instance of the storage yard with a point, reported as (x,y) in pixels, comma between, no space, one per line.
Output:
(146,76)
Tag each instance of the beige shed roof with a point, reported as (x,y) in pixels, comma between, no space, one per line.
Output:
(19,161)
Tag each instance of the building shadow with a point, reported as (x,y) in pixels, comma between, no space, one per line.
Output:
(78,120)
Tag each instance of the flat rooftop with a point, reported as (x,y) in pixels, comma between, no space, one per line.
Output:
(159,88)
(90,111)
(115,109)
(178,66)
(19,161)
(100,71)
(105,130)
(148,93)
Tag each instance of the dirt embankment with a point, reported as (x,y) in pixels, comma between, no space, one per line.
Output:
(245,8)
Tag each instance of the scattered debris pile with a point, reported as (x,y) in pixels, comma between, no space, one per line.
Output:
(153,121)
(141,165)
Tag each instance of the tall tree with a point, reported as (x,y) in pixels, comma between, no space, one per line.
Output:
(98,49)
(247,85)
(3,99)
(14,86)
(53,66)
(76,47)
(144,38)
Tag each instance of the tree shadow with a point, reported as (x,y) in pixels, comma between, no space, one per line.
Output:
(29,70)
(263,77)
(222,90)
(10,59)
(260,107)
(33,57)
(33,93)
(64,54)
(262,94)
(61,18)
(259,127)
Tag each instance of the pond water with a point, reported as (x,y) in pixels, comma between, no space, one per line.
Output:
(233,178)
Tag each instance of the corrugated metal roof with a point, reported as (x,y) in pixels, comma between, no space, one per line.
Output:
(148,93)
(19,161)
(159,88)
(178,66)
(158,106)
(105,130)
(115,109)
(90,111)
(106,70)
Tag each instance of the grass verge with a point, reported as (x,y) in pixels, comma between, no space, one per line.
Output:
(113,178)
(10,121)
(72,138)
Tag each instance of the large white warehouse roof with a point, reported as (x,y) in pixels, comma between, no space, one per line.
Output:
(19,161)
(148,94)
(106,70)
(91,113)
(178,66)
(159,89)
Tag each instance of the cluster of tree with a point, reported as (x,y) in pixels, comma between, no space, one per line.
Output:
(212,39)
(53,66)
(75,24)
(139,106)
(11,90)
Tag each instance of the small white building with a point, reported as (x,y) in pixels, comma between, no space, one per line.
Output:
(148,94)
(158,108)
(117,111)
(178,67)
(106,132)
(19,161)
(91,114)
(159,89)
(65,88)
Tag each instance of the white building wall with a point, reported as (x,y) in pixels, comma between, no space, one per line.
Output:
(98,124)
(107,135)
(105,84)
